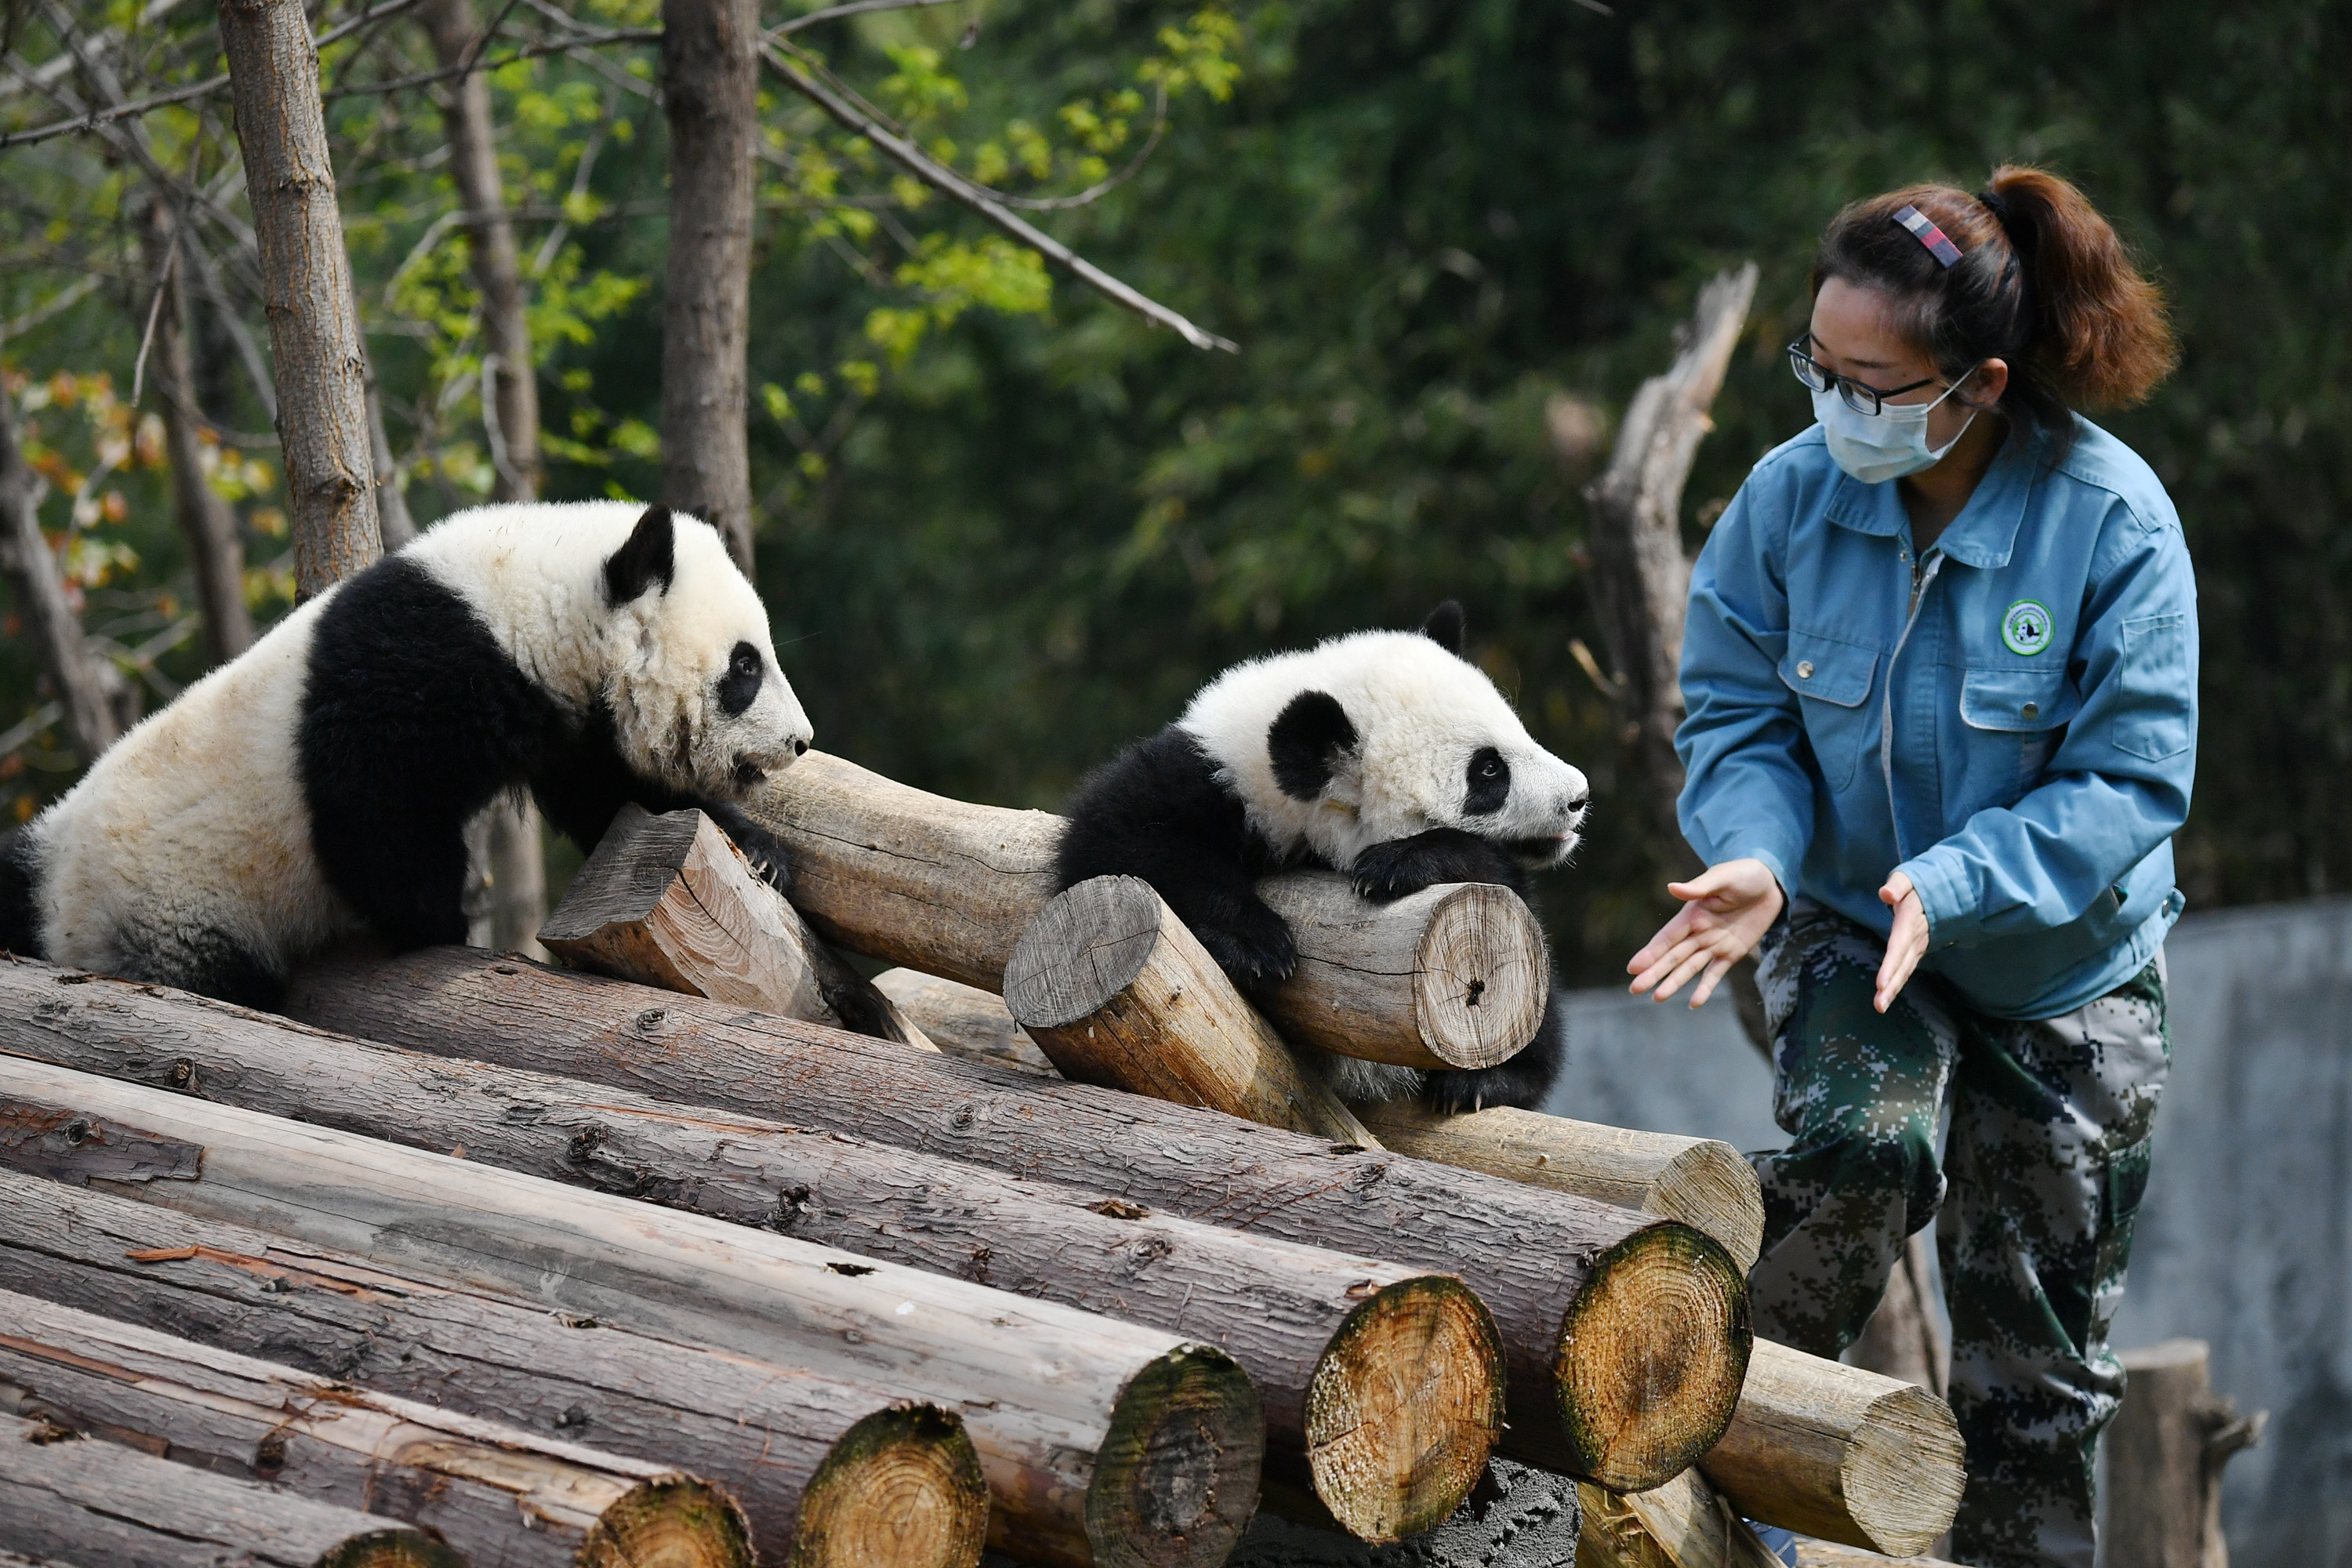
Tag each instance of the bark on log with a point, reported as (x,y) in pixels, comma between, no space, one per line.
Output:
(98,703)
(1700,1181)
(1641,576)
(314,339)
(709,79)
(825,1471)
(668,900)
(1116,992)
(1840,1453)
(215,551)
(71,1500)
(1454,976)
(493,1491)
(1103,1443)
(962,1020)
(2165,1456)
(1385,1380)
(1625,1337)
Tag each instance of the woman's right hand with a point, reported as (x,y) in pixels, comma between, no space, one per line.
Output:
(1725,912)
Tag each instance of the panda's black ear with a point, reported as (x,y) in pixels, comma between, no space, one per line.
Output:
(1306,743)
(1445,626)
(649,557)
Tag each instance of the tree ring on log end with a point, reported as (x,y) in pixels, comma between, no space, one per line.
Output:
(1176,1477)
(1404,1408)
(902,1487)
(1902,1503)
(1480,977)
(677,1521)
(391,1549)
(1082,949)
(1653,1353)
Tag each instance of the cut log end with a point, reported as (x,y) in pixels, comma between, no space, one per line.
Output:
(391,1549)
(1176,1477)
(1481,976)
(1651,1355)
(902,1487)
(1903,1503)
(1404,1408)
(677,1521)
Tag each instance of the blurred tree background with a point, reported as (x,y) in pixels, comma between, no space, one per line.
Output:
(1004,526)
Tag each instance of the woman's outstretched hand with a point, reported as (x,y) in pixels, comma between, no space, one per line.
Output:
(1906,944)
(1725,912)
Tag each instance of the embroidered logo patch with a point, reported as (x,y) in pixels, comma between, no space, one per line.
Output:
(2026,627)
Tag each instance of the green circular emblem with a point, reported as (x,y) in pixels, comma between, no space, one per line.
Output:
(2026,627)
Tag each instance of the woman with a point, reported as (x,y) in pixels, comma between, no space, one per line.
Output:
(1940,672)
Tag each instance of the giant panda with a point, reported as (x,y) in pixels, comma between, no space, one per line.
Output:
(316,786)
(1384,754)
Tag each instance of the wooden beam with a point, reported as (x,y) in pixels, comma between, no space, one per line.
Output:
(963,1020)
(1116,992)
(2165,1457)
(1384,1382)
(1101,1440)
(668,900)
(820,1466)
(493,1491)
(65,1499)
(1635,1404)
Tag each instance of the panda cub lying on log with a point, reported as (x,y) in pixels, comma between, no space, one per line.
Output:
(1386,755)
(318,785)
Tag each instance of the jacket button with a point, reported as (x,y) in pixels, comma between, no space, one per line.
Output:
(1805,669)
(2031,709)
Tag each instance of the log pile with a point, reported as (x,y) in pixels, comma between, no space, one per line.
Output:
(709,1248)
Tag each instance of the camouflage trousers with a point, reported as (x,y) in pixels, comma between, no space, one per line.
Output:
(2043,1168)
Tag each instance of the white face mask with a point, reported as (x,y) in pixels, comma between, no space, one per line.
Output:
(1887,444)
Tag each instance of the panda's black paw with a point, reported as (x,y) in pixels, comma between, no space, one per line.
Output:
(1253,946)
(761,848)
(1403,866)
(1458,1093)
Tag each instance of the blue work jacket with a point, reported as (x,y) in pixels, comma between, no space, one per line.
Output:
(2011,718)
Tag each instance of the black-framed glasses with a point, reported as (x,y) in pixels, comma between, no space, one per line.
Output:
(1860,396)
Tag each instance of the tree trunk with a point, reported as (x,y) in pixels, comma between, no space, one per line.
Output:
(1385,1380)
(493,1491)
(70,1499)
(710,78)
(1116,992)
(98,703)
(206,521)
(668,900)
(1645,1386)
(1841,1453)
(314,335)
(2165,1456)
(1100,1440)
(812,1461)
(392,519)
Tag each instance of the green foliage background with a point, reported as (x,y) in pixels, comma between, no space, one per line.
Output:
(1006,527)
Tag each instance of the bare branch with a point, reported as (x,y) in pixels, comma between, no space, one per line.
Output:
(57,304)
(801,74)
(857,9)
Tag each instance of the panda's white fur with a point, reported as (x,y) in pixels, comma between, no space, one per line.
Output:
(193,838)
(1420,712)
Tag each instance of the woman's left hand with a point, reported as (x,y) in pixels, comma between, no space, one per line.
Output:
(1906,944)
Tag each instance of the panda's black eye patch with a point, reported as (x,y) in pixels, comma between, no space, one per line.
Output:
(1489,782)
(740,684)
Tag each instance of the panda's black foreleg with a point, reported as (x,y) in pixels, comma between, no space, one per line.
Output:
(1522,1082)
(581,781)
(1402,867)
(1156,812)
(762,848)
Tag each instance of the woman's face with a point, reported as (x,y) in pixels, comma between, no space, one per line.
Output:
(1852,336)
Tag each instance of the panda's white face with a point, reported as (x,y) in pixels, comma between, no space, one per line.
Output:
(696,695)
(1378,736)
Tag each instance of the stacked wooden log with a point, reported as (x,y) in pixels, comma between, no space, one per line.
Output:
(1060,1248)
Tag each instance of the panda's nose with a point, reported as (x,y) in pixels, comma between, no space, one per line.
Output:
(1575,807)
(800,747)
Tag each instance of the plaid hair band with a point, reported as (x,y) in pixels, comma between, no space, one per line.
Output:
(1923,230)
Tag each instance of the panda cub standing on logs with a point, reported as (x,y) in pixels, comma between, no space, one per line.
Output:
(1386,755)
(318,785)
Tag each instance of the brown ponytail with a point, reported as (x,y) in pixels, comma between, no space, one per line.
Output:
(2042,283)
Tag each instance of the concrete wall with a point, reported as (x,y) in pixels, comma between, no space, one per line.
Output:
(2245,1239)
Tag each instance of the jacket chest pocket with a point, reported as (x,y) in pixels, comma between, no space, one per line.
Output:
(2021,715)
(1835,679)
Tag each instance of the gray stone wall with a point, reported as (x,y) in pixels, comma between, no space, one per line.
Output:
(2245,1239)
